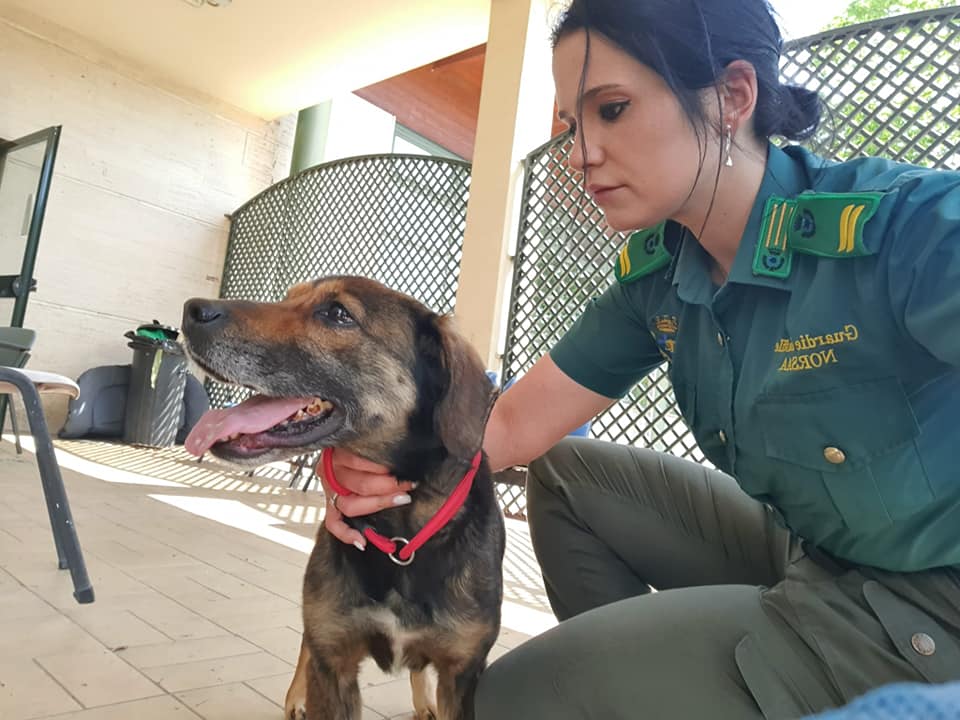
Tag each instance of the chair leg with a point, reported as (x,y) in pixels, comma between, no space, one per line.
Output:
(4,404)
(295,473)
(311,467)
(58,507)
(13,424)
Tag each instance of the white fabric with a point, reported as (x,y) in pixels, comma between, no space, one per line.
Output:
(45,382)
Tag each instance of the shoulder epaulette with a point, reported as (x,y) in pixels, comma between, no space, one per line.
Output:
(825,224)
(643,254)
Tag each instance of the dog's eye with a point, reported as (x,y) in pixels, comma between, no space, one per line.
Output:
(334,314)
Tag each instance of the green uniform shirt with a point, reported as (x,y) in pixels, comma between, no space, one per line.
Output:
(827,383)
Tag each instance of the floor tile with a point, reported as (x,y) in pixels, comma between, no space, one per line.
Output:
(97,678)
(27,691)
(284,642)
(389,699)
(228,702)
(174,652)
(205,673)
(272,687)
(49,635)
(164,707)
(115,628)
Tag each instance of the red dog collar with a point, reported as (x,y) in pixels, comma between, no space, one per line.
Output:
(389,545)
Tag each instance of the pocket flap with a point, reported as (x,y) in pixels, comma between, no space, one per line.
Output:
(917,636)
(779,684)
(861,421)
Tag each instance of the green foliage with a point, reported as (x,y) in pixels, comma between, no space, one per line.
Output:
(859,11)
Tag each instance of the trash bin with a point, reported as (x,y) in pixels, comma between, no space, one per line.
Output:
(158,377)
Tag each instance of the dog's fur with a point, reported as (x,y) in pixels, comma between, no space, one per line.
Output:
(409,393)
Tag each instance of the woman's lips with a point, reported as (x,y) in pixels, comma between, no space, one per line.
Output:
(601,192)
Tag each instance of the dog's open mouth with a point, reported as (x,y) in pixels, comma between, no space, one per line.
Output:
(261,424)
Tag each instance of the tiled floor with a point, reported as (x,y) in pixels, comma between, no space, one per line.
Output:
(197,573)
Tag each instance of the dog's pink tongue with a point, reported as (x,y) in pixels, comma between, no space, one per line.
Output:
(251,416)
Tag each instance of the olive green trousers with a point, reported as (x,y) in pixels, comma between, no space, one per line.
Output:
(748,621)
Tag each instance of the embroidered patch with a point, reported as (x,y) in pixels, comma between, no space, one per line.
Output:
(823,224)
(665,334)
(773,257)
(643,254)
(831,224)
(812,352)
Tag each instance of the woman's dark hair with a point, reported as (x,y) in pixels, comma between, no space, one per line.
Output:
(690,42)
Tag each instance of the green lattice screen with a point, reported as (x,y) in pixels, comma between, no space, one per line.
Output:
(396,218)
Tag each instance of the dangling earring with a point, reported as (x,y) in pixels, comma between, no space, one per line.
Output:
(728,142)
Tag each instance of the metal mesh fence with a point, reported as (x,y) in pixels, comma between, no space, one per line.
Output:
(893,87)
(396,218)
(892,90)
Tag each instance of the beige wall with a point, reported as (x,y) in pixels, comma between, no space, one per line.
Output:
(135,220)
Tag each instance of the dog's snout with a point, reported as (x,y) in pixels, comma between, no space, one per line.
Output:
(203,312)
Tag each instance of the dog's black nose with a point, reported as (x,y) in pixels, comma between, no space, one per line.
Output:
(203,312)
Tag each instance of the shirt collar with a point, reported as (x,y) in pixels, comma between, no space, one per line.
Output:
(785,176)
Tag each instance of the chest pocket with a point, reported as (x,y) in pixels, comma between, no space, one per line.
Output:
(862,441)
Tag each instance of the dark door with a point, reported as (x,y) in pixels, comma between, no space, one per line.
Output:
(26,168)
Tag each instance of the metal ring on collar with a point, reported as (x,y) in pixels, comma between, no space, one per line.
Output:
(393,556)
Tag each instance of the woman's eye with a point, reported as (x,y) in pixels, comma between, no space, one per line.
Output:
(611,111)
(335,314)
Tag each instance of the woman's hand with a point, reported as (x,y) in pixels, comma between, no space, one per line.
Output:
(373,489)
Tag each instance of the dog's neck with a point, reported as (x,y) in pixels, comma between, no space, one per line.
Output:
(437,486)
(431,467)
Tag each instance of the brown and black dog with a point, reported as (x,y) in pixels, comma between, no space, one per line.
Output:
(345,362)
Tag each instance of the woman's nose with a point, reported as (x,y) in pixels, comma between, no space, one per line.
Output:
(582,155)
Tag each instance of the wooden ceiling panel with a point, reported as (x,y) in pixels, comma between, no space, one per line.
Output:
(440,101)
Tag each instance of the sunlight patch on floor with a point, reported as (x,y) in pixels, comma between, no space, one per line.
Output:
(236,514)
(101,472)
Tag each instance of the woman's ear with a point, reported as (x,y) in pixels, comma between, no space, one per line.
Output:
(738,93)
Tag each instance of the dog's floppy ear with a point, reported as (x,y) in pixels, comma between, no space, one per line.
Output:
(461,415)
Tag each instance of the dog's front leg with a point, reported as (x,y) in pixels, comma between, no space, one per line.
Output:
(332,691)
(424,695)
(456,690)
(295,704)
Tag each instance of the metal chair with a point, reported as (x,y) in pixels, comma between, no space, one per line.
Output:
(29,384)
(15,346)
(300,464)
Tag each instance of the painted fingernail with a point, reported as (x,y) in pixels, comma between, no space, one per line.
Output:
(401,500)
(359,545)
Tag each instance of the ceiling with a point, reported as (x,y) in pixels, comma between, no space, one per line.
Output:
(268,57)
(440,101)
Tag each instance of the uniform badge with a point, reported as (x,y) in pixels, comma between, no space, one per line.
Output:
(643,254)
(824,224)
(665,334)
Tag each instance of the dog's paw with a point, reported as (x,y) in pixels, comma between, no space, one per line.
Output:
(427,713)
(295,711)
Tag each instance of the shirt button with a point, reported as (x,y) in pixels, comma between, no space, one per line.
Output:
(923,644)
(723,437)
(720,340)
(834,455)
